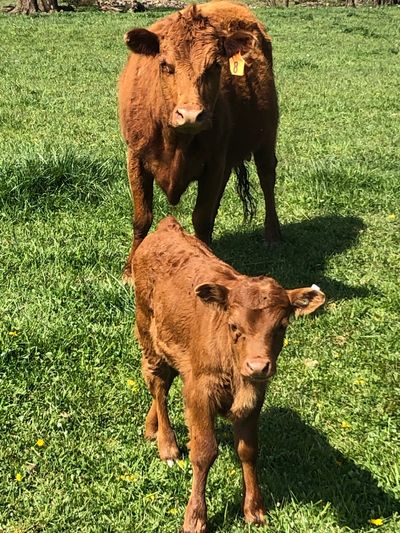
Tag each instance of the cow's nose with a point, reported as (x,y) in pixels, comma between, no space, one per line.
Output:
(260,368)
(188,116)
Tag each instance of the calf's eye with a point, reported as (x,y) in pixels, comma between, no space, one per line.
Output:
(167,67)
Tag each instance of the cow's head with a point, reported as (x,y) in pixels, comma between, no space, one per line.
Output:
(190,54)
(256,314)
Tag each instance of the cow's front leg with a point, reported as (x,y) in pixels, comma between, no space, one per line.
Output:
(203,452)
(210,188)
(141,185)
(246,444)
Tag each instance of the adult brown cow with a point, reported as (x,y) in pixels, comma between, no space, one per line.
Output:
(222,332)
(186,115)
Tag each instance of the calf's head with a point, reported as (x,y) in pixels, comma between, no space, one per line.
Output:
(256,314)
(189,53)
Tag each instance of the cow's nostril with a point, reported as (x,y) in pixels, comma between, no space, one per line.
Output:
(200,117)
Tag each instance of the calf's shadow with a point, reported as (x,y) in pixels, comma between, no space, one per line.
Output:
(302,257)
(297,464)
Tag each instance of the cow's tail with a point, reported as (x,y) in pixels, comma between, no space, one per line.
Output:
(244,190)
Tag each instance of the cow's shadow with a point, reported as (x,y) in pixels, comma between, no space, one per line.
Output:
(302,258)
(297,464)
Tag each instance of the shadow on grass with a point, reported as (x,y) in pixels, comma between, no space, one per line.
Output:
(297,464)
(56,178)
(302,258)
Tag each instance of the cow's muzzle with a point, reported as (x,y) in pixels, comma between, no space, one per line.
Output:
(190,119)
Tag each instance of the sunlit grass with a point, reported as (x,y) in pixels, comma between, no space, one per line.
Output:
(69,366)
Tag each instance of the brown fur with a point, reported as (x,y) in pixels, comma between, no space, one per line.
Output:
(222,332)
(181,65)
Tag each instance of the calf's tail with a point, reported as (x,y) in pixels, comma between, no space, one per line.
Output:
(244,190)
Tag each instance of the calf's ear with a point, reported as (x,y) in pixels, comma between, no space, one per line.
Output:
(239,41)
(212,293)
(306,300)
(142,41)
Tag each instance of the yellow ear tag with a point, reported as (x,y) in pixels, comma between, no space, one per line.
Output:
(236,64)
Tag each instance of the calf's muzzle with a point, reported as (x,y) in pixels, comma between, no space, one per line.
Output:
(259,368)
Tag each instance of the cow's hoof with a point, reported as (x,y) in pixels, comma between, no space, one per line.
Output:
(272,245)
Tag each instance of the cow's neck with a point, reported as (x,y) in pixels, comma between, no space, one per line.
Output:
(179,164)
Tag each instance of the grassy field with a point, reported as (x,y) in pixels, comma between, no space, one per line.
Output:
(72,400)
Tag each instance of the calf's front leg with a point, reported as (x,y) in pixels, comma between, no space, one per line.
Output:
(203,452)
(246,444)
(159,379)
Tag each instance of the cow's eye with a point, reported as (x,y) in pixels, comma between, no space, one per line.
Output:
(233,327)
(167,67)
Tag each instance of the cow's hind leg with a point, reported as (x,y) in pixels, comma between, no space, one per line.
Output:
(266,162)
(159,379)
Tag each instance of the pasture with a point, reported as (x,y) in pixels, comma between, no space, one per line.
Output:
(72,400)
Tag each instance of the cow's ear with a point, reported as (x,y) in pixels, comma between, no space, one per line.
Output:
(213,293)
(239,41)
(142,41)
(306,300)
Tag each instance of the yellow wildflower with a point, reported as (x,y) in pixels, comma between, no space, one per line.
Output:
(285,342)
(151,496)
(391,218)
(173,511)
(359,381)
(40,443)
(13,333)
(181,463)
(345,425)
(18,476)
(132,384)
(376,521)
(128,477)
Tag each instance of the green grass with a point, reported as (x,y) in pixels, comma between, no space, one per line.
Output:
(65,233)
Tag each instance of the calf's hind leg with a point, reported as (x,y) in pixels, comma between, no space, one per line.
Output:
(159,379)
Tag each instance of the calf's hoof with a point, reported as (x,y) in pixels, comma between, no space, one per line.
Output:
(168,449)
(255,516)
(128,277)
(150,433)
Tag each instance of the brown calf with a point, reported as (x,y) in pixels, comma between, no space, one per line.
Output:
(222,332)
(186,115)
